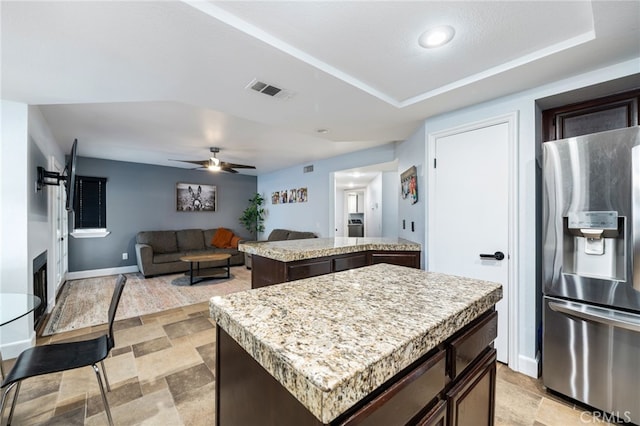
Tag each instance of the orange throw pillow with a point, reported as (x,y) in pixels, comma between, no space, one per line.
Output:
(234,242)
(222,238)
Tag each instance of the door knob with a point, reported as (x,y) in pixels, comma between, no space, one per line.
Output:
(497,255)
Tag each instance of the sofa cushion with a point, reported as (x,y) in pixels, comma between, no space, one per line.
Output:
(160,241)
(234,242)
(222,238)
(298,235)
(278,235)
(208,236)
(167,257)
(190,239)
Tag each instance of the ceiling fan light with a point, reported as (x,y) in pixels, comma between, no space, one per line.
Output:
(214,164)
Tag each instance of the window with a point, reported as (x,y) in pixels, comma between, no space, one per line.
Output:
(90,207)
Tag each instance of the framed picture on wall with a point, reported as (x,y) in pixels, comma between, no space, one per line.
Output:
(409,184)
(196,197)
(289,196)
(302,195)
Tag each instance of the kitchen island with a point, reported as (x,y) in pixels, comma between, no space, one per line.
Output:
(274,262)
(382,344)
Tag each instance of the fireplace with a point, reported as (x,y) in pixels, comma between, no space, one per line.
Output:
(40,287)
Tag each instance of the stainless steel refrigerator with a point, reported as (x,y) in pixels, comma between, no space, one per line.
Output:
(591,270)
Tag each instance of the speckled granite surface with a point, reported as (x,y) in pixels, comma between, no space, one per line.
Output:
(331,340)
(290,250)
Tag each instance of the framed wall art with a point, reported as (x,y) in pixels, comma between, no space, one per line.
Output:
(288,196)
(409,184)
(196,197)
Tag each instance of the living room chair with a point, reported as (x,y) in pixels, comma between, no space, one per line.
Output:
(58,357)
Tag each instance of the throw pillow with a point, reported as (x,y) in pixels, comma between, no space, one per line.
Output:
(221,238)
(234,242)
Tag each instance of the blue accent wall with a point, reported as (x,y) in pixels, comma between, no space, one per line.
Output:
(142,197)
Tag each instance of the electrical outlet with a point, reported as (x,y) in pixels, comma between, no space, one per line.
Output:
(125,256)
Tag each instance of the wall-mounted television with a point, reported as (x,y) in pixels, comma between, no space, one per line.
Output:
(70,181)
(69,177)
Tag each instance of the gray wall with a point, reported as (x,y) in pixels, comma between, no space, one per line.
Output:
(142,197)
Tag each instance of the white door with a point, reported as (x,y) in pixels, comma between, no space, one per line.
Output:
(60,222)
(469,212)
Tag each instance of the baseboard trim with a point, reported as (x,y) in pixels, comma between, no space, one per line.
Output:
(529,366)
(79,275)
(13,349)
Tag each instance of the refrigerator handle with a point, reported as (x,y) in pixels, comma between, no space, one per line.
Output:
(602,316)
(635,217)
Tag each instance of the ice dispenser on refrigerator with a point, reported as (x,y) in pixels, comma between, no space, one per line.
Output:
(595,244)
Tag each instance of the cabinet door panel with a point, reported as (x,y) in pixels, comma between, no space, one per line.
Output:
(410,259)
(308,269)
(351,261)
(437,416)
(592,116)
(405,398)
(470,344)
(471,402)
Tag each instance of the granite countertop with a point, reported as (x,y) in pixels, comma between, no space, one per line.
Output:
(311,248)
(332,339)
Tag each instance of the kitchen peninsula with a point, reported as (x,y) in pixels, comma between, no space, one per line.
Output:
(382,344)
(274,262)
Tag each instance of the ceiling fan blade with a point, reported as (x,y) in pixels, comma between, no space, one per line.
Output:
(235,166)
(227,169)
(201,163)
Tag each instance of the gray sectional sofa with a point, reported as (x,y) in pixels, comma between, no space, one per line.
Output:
(159,252)
(281,235)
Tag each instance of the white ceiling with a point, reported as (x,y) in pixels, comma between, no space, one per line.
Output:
(150,81)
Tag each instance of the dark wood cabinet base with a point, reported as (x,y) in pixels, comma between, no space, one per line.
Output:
(267,271)
(246,394)
(425,393)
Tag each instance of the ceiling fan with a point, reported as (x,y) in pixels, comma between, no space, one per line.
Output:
(215,165)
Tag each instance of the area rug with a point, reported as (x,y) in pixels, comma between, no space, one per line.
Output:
(85,302)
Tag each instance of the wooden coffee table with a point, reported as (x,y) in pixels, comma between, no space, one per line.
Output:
(206,273)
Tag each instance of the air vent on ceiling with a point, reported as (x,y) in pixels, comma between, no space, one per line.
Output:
(269,89)
(308,169)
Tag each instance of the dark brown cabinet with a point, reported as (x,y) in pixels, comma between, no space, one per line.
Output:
(471,401)
(403,400)
(266,271)
(433,391)
(309,269)
(437,416)
(395,258)
(350,261)
(467,346)
(592,116)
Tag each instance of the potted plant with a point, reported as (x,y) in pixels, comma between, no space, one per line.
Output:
(253,216)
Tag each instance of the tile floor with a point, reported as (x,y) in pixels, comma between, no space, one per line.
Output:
(162,373)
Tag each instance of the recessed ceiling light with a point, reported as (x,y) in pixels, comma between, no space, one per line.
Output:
(436,37)
(322,131)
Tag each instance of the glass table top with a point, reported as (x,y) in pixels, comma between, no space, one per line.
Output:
(16,305)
